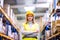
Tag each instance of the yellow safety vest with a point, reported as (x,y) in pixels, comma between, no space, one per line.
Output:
(30,29)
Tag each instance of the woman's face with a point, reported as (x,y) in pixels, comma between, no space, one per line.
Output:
(30,18)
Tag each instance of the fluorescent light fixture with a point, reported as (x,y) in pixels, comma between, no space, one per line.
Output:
(29,8)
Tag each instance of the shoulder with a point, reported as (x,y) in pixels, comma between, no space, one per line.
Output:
(24,24)
(36,24)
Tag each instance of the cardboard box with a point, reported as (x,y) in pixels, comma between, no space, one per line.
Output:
(53,28)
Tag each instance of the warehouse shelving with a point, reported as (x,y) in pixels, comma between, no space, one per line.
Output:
(44,25)
(56,23)
(11,22)
(54,35)
(1,9)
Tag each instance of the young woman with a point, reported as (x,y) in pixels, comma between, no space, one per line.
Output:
(30,28)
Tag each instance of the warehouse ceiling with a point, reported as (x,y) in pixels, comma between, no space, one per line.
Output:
(21,2)
(18,10)
(20,7)
(11,2)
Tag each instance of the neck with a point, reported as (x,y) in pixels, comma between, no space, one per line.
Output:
(29,21)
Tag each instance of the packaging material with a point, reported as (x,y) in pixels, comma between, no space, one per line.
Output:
(4,29)
(4,25)
(1,24)
(15,36)
(8,27)
(56,17)
(9,30)
(12,36)
(47,34)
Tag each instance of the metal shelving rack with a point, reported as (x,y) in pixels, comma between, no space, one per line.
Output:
(56,35)
(9,19)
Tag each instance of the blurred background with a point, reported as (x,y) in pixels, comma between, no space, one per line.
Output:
(47,15)
(39,7)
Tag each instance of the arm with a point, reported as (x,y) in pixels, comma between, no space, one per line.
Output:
(37,29)
(24,32)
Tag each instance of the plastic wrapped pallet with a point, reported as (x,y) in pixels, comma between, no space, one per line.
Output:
(1,24)
(4,30)
(4,25)
(15,36)
(12,35)
(9,30)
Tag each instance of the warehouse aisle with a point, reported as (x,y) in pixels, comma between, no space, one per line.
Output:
(29,19)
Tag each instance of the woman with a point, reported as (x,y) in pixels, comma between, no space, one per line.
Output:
(30,29)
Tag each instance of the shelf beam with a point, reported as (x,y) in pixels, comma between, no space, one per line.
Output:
(2,35)
(54,35)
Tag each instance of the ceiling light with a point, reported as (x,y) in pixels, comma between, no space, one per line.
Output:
(29,8)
